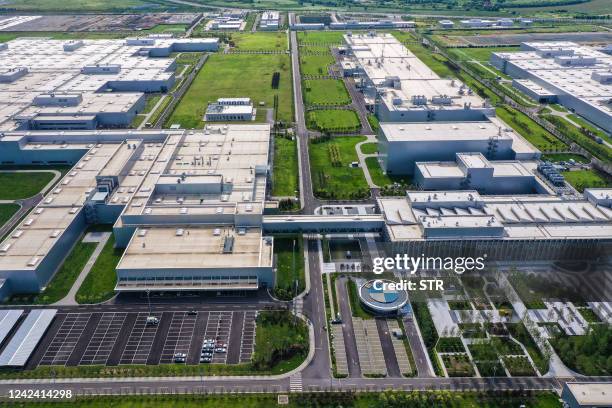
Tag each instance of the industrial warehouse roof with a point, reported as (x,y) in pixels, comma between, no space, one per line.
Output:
(227,165)
(236,154)
(37,233)
(522,217)
(430,132)
(564,68)
(591,394)
(197,247)
(56,66)
(383,58)
(434,131)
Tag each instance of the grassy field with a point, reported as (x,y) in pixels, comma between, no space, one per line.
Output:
(325,92)
(260,41)
(333,120)
(210,85)
(570,131)
(478,54)
(320,37)
(534,133)
(100,283)
(381,179)
(441,399)
(15,186)
(285,275)
(315,64)
(7,211)
(285,174)
(577,119)
(369,148)
(582,179)
(338,181)
(563,157)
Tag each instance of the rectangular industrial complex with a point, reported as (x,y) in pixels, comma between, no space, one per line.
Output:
(85,84)
(170,189)
(577,76)
(424,117)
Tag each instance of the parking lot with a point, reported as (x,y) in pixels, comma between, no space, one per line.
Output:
(118,338)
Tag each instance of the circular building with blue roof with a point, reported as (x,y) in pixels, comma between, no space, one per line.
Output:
(377,297)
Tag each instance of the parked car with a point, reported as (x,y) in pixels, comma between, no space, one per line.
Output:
(220,350)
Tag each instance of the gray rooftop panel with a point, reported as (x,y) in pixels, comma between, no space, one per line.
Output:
(8,318)
(23,343)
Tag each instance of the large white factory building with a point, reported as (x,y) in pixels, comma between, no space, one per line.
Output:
(576,76)
(85,84)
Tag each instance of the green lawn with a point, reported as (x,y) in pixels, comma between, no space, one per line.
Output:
(325,92)
(151,102)
(285,174)
(478,54)
(577,135)
(7,211)
(260,41)
(369,148)
(582,179)
(356,307)
(246,75)
(99,285)
(320,37)
(592,128)
(339,120)
(315,64)
(15,186)
(534,133)
(285,275)
(338,181)
(64,278)
(563,157)
(381,179)
(327,399)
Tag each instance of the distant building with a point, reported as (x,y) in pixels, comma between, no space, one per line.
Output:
(230,109)
(576,76)
(270,21)
(48,84)
(446,24)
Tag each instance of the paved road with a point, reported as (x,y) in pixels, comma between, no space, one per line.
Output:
(386,343)
(309,202)
(350,345)
(314,309)
(419,352)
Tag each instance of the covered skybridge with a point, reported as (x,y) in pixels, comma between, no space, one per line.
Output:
(323,223)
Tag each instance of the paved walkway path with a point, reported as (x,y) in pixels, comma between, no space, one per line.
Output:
(152,111)
(70,298)
(362,159)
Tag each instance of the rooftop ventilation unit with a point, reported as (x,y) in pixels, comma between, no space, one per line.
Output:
(228,244)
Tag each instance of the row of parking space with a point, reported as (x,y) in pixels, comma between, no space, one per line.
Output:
(114,338)
(369,348)
(339,350)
